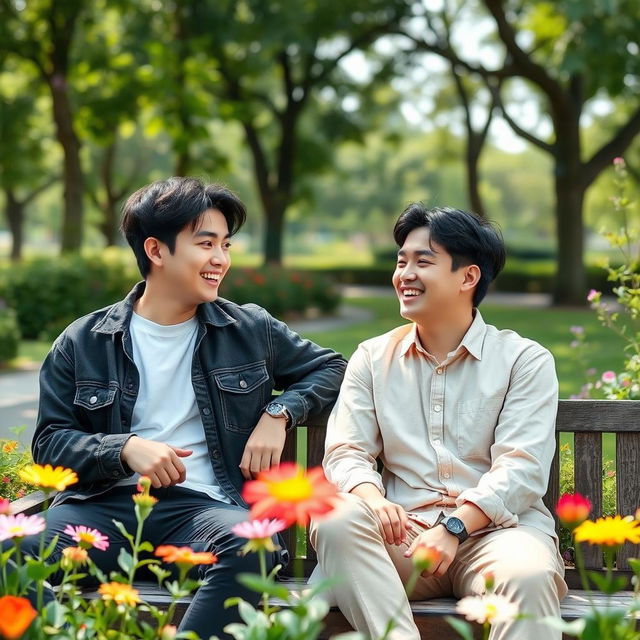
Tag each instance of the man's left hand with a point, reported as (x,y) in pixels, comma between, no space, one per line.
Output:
(442,541)
(264,446)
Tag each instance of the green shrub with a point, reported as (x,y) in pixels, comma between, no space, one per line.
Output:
(9,333)
(49,294)
(13,456)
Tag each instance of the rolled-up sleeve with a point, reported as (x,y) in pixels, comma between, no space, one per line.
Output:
(524,444)
(353,436)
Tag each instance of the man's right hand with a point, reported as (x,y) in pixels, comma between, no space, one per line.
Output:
(161,462)
(392,518)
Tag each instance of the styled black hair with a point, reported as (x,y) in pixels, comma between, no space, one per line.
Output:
(467,238)
(164,208)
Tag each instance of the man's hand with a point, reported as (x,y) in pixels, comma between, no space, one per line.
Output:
(392,518)
(442,541)
(264,446)
(161,462)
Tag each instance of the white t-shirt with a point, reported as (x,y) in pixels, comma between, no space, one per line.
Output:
(166,409)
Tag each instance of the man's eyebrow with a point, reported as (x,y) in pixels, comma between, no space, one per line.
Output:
(208,234)
(420,252)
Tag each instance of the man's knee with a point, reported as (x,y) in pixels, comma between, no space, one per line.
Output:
(351,516)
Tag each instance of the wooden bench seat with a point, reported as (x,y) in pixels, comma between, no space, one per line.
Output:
(587,420)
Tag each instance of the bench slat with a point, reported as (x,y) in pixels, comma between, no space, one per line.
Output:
(598,415)
(588,482)
(627,492)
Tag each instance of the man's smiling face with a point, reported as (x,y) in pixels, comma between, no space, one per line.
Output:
(423,280)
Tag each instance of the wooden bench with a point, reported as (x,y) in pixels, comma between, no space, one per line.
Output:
(587,420)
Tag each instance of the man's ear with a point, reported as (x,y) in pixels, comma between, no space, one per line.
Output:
(472,275)
(153,248)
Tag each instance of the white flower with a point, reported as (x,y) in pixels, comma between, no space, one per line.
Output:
(488,608)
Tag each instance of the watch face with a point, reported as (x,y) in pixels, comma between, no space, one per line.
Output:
(455,525)
(275,409)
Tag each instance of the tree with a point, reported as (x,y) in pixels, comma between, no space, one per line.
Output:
(23,141)
(42,32)
(271,61)
(569,54)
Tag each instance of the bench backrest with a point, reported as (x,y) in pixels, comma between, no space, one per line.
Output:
(587,420)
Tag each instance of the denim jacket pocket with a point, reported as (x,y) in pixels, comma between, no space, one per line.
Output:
(476,422)
(243,394)
(93,395)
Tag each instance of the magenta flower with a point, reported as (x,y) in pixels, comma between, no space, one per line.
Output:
(592,295)
(609,377)
(618,162)
(258,533)
(20,526)
(5,506)
(87,538)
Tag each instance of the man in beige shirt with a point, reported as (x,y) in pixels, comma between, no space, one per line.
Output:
(461,415)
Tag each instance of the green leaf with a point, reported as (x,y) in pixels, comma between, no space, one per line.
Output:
(146,546)
(261,585)
(38,571)
(125,560)
(606,585)
(121,528)
(573,628)
(160,573)
(461,627)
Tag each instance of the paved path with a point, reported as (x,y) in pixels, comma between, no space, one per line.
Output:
(19,390)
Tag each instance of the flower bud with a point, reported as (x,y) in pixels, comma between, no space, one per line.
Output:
(425,557)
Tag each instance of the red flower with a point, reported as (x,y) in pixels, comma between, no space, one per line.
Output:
(289,493)
(573,509)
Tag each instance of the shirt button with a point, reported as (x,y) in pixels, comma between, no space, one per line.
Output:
(437,408)
(206,411)
(93,399)
(436,442)
(445,475)
(439,370)
(243,384)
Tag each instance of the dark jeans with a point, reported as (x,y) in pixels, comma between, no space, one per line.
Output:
(182,518)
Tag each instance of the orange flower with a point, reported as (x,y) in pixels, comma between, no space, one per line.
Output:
(10,446)
(73,557)
(573,509)
(16,614)
(288,493)
(424,557)
(184,556)
(120,593)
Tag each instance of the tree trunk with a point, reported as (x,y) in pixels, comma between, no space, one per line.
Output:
(15,218)
(273,237)
(73,179)
(474,148)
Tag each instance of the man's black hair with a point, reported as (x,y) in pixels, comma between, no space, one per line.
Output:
(164,208)
(467,238)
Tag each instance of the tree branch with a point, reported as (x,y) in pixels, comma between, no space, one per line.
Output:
(612,149)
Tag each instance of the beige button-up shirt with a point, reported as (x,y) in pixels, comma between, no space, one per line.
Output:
(478,427)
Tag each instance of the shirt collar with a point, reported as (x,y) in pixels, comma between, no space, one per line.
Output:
(473,340)
(118,317)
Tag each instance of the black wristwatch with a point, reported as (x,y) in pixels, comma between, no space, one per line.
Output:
(278,410)
(455,527)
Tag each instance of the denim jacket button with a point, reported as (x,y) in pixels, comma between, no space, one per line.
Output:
(216,453)
(93,399)
(243,384)
(206,411)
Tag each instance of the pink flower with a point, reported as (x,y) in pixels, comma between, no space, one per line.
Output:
(20,526)
(5,506)
(576,330)
(592,295)
(253,529)
(618,162)
(258,533)
(609,377)
(87,538)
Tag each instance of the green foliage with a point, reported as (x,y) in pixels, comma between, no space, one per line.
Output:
(13,456)
(9,334)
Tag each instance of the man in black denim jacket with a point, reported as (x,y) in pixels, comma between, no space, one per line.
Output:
(90,382)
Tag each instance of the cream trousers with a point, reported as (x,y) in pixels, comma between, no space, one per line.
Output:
(526,564)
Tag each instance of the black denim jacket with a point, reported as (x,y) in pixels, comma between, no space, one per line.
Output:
(89,384)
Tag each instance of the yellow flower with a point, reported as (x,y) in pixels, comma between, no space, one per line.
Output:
(144,500)
(48,478)
(609,531)
(9,447)
(120,593)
